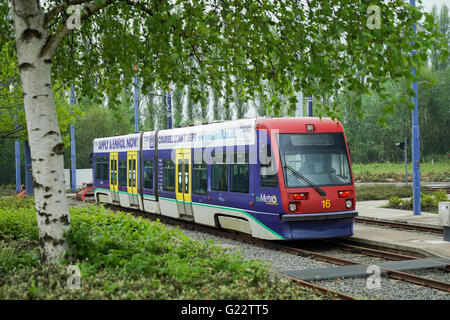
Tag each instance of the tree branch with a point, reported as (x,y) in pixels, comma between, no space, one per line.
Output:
(63,6)
(53,42)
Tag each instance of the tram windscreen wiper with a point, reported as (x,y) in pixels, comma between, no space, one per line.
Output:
(298,175)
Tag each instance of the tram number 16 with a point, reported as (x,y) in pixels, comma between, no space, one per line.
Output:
(326,203)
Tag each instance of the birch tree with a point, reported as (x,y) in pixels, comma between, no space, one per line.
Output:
(200,41)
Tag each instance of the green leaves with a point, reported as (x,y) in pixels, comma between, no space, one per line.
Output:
(219,43)
(123,257)
(264,44)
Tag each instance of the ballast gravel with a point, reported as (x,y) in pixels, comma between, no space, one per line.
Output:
(359,287)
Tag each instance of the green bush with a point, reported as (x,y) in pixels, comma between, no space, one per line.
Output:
(428,202)
(7,190)
(16,222)
(440,195)
(123,257)
(395,202)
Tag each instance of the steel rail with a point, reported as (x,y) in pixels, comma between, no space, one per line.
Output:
(373,252)
(432,283)
(320,289)
(382,254)
(400,225)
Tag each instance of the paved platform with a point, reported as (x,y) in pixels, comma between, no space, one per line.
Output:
(430,245)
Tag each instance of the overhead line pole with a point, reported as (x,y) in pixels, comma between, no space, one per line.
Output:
(310,106)
(73,154)
(136,101)
(17,156)
(28,169)
(169,116)
(415,139)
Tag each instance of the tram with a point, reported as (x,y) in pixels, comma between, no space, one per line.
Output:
(272,178)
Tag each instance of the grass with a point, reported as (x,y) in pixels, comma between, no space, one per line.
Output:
(123,257)
(395,172)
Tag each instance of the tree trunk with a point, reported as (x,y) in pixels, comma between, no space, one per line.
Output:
(44,135)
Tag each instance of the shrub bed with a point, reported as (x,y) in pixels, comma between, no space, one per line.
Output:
(123,257)
(366,176)
(428,202)
(381,192)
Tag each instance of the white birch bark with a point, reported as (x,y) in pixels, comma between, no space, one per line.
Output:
(43,130)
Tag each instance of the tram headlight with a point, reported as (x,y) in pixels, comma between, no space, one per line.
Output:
(292,207)
(348,203)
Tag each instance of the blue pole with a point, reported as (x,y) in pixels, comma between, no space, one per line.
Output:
(73,155)
(28,172)
(18,180)
(169,102)
(136,104)
(310,107)
(415,140)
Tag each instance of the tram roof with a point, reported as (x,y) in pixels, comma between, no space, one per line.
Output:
(233,132)
(299,124)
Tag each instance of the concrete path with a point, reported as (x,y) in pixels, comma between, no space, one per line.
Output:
(430,245)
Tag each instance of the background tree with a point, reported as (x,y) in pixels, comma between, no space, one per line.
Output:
(203,104)
(216,106)
(190,105)
(97,121)
(177,106)
(162,110)
(150,110)
(442,20)
(260,106)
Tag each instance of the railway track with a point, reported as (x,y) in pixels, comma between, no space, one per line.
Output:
(434,188)
(398,275)
(333,294)
(400,225)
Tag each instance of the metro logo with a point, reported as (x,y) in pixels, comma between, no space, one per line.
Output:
(268,199)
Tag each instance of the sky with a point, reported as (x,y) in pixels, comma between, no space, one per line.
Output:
(428,4)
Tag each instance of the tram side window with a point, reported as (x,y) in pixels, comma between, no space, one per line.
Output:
(132,172)
(239,173)
(148,174)
(101,168)
(168,175)
(199,178)
(123,173)
(269,181)
(219,174)
(268,172)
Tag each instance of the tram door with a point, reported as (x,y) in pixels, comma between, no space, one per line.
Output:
(183,174)
(132,178)
(113,182)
